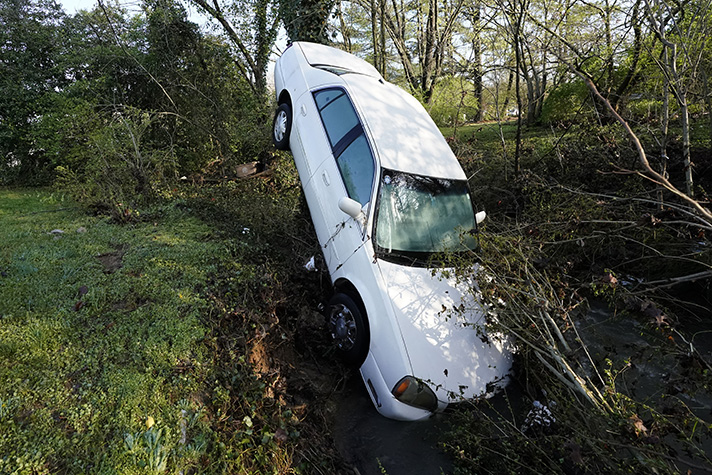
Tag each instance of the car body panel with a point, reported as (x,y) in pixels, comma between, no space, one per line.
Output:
(386,338)
(410,335)
(440,318)
(319,55)
(380,392)
(407,139)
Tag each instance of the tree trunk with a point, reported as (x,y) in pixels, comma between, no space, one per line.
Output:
(686,159)
(382,53)
(374,35)
(665,123)
(428,59)
(517,42)
(677,87)
(477,83)
(637,49)
(510,83)
(345,33)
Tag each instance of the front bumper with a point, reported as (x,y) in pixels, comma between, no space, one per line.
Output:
(386,404)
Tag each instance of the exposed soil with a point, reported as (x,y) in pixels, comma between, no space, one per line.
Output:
(112,261)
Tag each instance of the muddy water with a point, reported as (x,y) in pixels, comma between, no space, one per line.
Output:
(659,368)
(374,444)
(652,362)
(652,369)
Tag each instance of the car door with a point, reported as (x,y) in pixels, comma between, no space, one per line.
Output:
(350,171)
(310,147)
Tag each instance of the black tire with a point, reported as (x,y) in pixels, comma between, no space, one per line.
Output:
(349,328)
(282,126)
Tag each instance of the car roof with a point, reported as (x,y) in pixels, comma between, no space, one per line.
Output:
(404,135)
(402,132)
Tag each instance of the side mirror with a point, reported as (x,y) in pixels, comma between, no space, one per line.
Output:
(350,207)
(479,217)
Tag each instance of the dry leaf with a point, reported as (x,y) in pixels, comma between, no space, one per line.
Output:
(638,424)
(649,309)
(281,435)
(610,279)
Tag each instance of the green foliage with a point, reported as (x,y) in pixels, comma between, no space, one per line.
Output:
(31,70)
(119,172)
(568,102)
(214,115)
(109,76)
(306,20)
(93,332)
(452,102)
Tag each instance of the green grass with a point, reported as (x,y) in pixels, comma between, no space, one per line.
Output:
(101,330)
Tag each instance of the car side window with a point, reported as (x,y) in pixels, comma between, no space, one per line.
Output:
(356,166)
(348,142)
(337,113)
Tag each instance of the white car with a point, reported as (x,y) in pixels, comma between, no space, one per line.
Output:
(386,195)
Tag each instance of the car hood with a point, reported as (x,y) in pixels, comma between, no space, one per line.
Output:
(442,328)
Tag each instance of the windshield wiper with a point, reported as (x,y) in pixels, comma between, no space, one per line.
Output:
(406,258)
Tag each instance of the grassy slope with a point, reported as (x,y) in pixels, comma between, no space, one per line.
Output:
(113,351)
(96,328)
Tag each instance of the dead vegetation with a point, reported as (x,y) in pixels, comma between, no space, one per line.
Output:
(599,287)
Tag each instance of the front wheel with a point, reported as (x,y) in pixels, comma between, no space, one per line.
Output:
(282,127)
(349,328)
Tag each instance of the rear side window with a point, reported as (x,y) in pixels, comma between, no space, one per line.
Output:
(348,142)
(337,113)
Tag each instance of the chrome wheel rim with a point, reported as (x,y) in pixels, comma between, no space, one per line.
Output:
(280,126)
(343,327)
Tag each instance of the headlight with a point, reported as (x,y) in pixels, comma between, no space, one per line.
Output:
(414,392)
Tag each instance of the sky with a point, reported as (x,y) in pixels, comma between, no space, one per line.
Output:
(73,6)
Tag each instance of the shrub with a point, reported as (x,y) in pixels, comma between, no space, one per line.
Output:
(562,101)
(452,102)
(120,170)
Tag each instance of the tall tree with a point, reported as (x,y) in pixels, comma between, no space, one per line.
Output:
(680,40)
(678,70)
(473,13)
(428,25)
(32,42)
(251,27)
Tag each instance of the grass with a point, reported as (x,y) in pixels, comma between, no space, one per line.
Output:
(182,340)
(97,322)
(107,346)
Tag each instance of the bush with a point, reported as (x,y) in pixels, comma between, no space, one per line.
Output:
(562,101)
(120,171)
(452,102)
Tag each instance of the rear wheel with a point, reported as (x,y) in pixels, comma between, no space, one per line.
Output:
(348,327)
(282,127)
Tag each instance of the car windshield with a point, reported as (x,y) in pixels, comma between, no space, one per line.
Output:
(420,216)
